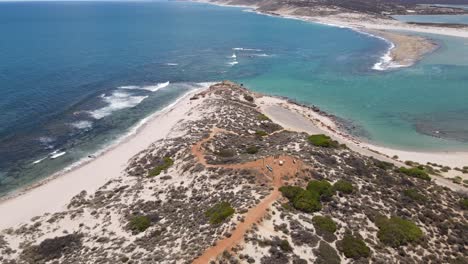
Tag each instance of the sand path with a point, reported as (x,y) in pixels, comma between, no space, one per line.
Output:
(290,167)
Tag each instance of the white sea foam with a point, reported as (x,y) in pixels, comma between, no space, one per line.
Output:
(232,63)
(171,64)
(84,124)
(151,88)
(234,56)
(386,62)
(116,101)
(57,154)
(39,160)
(246,49)
(135,128)
(261,55)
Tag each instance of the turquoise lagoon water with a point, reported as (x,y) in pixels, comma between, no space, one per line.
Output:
(442,19)
(76,76)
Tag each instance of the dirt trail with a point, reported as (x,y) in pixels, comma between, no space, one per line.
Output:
(289,168)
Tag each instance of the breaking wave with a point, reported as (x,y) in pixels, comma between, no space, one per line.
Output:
(151,88)
(116,101)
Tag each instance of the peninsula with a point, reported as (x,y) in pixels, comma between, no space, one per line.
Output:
(232,176)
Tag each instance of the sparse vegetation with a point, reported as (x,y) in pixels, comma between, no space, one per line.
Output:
(262,117)
(353,247)
(324,223)
(396,231)
(167,162)
(343,186)
(219,212)
(261,133)
(414,195)
(383,164)
(52,248)
(248,98)
(139,223)
(322,140)
(415,172)
(326,254)
(226,153)
(252,150)
(464,203)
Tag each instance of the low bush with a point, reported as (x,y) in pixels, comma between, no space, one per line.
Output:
(343,186)
(414,195)
(219,212)
(167,162)
(322,187)
(252,150)
(307,201)
(383,164)
(322,140)
(326,254)
(464,203)
(248,98)
(226,153)
(353,247)
(290,192)
(324,223)
(285,246)
(396,231)
(262,117)
(261,133)
(139,223)
(415,172)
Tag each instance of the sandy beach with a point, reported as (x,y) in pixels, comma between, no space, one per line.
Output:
(53,194)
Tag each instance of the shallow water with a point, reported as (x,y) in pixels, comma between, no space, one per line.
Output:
(76,76)
(443,19)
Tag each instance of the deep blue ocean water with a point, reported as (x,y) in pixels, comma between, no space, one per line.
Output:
(76,76)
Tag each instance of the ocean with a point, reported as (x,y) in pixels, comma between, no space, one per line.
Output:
(76,77)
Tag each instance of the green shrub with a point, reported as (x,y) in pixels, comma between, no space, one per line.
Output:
(326,254)
(226,153)
(353,247)
(261,133)
(415,172)
(324,223)
(414,195)
(464,203)
(383,164)
(290,192)
(307,201)
(343,186)
(322,140)
(396,231)
(323,188)
(285,246)
(252,150)
(167,162)
(219,212)
(248,98)
(139,223)
(263,117)
(457,179)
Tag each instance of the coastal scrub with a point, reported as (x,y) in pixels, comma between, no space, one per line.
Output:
(324,223)
(139,223)
(343,186)
(396,231)
(167,162)
(353,247)
(219,212)
(415,172)
(321,140)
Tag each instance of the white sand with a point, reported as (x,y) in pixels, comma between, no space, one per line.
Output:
(53,195)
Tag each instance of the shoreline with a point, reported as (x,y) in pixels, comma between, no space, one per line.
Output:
(405,49)
(70,181)
(54,193)
(132,131)
(312,120)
